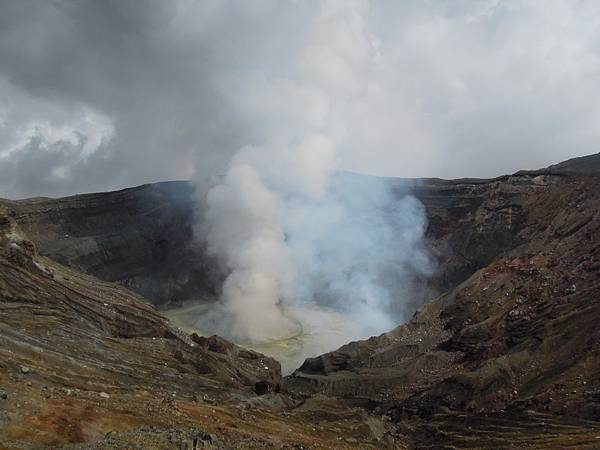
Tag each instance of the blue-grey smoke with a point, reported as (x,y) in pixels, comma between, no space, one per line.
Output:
(359,251)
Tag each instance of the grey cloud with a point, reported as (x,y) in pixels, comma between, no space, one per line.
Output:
(127,61)
(53,169)
(459,88)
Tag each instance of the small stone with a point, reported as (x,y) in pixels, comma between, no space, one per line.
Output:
(25,369)
(211,438)
(513,314)
(104,395)
(262,387)
(3,395)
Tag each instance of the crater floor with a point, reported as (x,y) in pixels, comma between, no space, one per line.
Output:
(321,330)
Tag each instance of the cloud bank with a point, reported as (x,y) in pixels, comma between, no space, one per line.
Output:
(100,95)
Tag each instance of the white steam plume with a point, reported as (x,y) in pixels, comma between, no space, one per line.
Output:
(289,233)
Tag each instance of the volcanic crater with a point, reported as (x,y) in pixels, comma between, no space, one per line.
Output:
(502,351)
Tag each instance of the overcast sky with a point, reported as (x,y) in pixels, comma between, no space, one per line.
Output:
(96,95)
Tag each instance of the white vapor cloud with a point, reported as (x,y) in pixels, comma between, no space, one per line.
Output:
(296,109)
(288,231)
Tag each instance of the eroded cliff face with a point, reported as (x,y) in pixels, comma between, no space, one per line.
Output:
(141,238)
